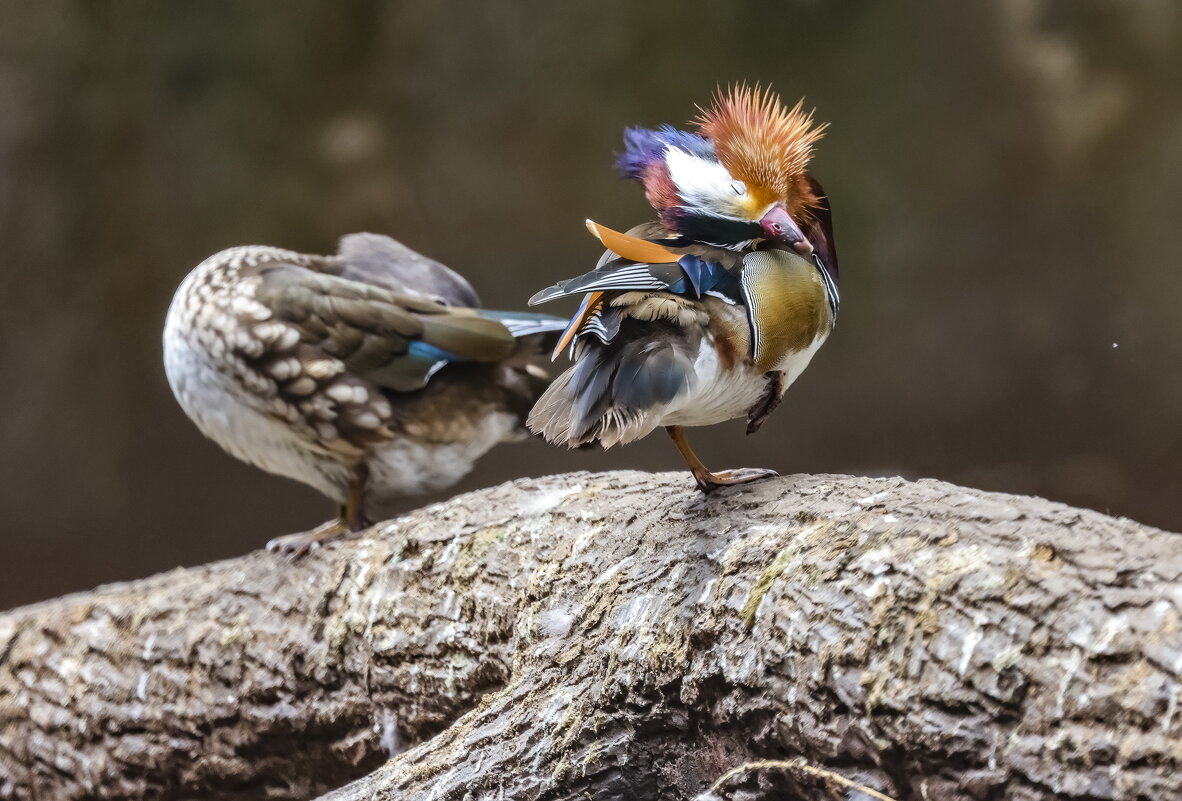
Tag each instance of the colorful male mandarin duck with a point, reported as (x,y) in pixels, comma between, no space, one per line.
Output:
(712,311)
(367,375)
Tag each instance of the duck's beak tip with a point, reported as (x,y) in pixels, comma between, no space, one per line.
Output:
(779,226)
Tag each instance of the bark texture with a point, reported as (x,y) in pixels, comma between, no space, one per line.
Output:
(618,636)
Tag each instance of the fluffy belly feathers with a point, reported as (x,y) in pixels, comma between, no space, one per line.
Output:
(719,393)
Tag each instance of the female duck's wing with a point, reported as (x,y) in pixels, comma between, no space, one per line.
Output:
(387,263)
(393,340)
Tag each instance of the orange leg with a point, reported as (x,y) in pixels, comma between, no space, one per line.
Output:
(708,481)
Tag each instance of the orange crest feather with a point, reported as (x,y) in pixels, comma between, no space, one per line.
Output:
(763,143)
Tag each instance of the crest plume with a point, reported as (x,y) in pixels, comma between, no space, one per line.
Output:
(643,160)
(762,142)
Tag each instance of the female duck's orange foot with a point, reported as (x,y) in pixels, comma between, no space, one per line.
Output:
(708,482)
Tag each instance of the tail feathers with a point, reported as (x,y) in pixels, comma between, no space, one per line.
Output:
(535,335)
(613,394)
(523,324)
(555,421)
(521,375)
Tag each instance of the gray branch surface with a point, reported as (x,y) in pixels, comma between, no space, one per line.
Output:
(618,636)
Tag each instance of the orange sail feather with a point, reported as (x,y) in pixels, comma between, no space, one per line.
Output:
(631,247)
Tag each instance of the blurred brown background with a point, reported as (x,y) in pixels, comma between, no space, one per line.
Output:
(1006,179)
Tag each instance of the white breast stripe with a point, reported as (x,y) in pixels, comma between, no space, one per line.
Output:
(831,293)
(756,336)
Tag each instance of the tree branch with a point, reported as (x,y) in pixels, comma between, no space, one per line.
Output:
(620,636)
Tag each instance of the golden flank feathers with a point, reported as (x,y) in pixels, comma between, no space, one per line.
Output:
(764,144)
(630,247)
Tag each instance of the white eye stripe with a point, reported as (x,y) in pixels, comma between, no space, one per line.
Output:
(698,181)
(739,188)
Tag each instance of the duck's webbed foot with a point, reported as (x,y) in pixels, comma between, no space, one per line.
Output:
(767,403)
(709,481)
(348,520)
(295,546)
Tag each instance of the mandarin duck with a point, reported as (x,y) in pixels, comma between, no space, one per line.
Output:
(711,311)
(367,375)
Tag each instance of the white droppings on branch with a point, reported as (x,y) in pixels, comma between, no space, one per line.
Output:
(555,622)
(450,604)
(141,685)
(550,497)
(585,542)
(1070,665)
(1006,658)
(1171,709)
(875,561)
(387,730)
(614,569)
(1114,626)
(971,640)
(448,555)
(877,587)
(871,500)
(707,591)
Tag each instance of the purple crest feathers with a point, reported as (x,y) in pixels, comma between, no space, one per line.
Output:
(643,146)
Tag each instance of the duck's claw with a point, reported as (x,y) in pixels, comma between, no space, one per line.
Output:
(708,482)
(297,546)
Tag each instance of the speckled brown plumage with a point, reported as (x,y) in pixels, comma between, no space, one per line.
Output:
(370,367)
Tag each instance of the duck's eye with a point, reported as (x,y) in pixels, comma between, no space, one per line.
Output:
(739,188)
